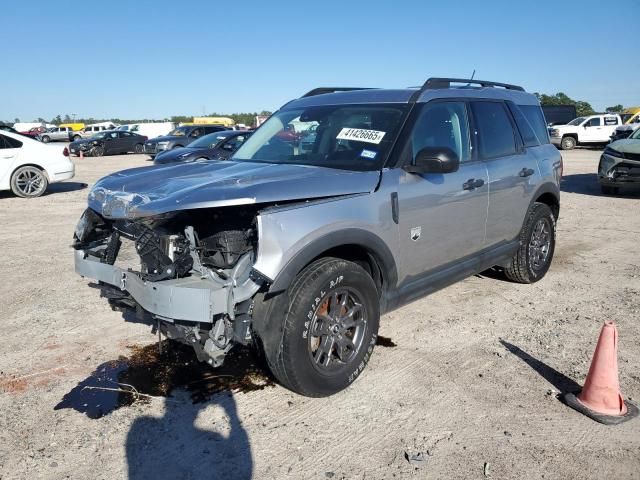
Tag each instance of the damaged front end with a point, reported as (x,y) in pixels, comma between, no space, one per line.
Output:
(619,168)
(188,272)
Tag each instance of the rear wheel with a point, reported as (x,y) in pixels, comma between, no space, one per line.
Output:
(609,190)
(139,148)
(29,182)
(330,328)
(568,143)
(537,244)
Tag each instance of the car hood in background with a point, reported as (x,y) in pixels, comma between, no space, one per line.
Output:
(169,156)
(147,191)
(166,138)
(628,145)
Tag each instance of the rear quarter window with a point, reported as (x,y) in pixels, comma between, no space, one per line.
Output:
(9,142)
(535,117)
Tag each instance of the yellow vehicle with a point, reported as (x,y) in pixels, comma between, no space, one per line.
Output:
(226,121)
(630,115)
(76,127)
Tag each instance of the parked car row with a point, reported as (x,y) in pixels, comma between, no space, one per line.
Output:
(214,146)
(179,137)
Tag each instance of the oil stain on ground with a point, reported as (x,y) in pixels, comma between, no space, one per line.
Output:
(146,372)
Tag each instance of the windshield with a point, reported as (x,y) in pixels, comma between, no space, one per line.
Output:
(179,132)
(577,121)
(208,141)
(349,137)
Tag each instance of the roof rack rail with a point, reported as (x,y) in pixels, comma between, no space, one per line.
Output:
(323,90)
(437,83)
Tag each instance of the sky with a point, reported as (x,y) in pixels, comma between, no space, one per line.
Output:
(154,59)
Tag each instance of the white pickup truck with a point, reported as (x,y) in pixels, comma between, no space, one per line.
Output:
(584,130)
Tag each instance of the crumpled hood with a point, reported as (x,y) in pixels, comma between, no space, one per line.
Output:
(147,191)
(627,145)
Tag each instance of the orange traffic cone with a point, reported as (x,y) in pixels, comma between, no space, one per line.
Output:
(600,398)
(81,155)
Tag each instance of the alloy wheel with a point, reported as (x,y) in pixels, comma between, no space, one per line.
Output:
(540,244)
(30,182)
(337,330)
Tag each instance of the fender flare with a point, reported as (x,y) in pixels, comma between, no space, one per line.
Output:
(373,244)
(547,187)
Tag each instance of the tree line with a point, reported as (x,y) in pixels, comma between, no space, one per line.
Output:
(583,109)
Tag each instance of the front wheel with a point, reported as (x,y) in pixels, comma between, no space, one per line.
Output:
(76,138)
(97,151)
(568,143)
(139,148)
(45,139)
(330,328)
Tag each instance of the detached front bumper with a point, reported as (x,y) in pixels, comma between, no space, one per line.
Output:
(192,298)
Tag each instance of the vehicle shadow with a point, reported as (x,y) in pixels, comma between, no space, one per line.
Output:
(64,187)
(587,184)
(173,446)
(560,381)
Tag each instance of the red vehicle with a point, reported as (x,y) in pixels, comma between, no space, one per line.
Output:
(34,132)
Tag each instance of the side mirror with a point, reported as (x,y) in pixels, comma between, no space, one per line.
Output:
(434,160)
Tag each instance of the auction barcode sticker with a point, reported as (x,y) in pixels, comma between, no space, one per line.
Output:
(361,135)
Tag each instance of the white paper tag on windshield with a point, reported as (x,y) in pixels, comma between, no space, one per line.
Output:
(361,135)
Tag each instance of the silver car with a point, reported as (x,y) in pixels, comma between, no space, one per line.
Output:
(300,250)
(64,134)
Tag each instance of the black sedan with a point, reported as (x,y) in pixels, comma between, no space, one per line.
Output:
(215,146)
(109,142)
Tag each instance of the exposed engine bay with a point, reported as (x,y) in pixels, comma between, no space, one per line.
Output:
(193,282)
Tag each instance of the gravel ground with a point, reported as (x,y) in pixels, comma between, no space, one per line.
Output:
(468,376)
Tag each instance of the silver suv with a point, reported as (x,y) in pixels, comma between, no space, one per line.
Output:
(396,194)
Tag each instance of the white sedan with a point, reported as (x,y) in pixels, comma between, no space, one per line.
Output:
(27,166)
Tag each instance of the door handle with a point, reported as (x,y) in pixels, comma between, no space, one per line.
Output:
(526,172)
(472,184)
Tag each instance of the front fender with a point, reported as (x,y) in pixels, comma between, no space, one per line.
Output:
(291,238)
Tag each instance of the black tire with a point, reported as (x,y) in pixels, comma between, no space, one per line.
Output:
(97,151)
(607,190)
(568,143)
(294,362)
(45,139)
(29,182)
(527,266)
(139,148)
(76,138)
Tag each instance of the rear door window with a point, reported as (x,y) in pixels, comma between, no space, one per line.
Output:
(494,131)
(594,122)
